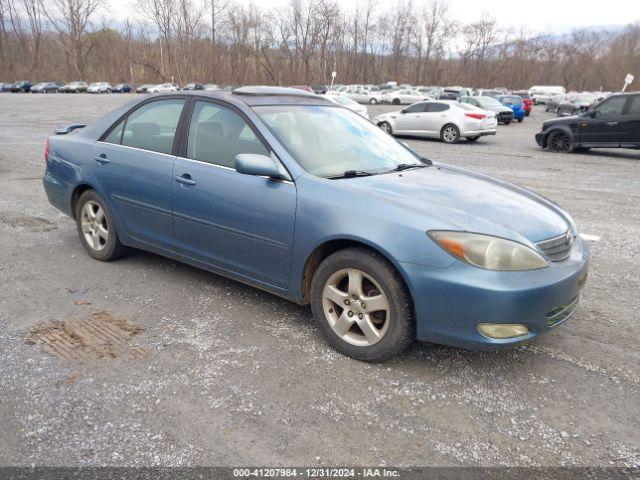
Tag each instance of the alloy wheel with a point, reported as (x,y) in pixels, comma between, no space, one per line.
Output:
(356,307)
(450,134)
(94,226)
(559,142)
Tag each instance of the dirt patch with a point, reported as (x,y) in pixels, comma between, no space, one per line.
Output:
(26,222)
(100,335)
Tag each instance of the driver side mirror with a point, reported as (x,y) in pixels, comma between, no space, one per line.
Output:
(258,165)
(593,113)
(404,110)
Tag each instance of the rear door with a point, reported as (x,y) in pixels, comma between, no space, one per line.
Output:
(133,170)
(235,222)
(434,117)
(631,123)
(605,127)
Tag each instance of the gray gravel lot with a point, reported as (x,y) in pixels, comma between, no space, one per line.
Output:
(230,375)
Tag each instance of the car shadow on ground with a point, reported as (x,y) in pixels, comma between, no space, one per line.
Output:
(299,318)
(616,154)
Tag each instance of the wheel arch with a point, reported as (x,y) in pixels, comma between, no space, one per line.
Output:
(564,128)
(75,195)
(330,246)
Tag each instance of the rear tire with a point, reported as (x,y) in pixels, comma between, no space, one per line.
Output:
(396,101)
(520,120)
(96,228)
(342,285)
(450,133)
(373,101)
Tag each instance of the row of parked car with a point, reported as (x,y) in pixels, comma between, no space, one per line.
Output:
(79,86)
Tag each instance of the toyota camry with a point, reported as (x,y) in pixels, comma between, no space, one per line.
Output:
(293,194)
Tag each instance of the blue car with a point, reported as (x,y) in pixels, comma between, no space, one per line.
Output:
(515,103)
(293,194)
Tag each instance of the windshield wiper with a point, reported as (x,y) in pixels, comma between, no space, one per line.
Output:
(351,174)
(406,166)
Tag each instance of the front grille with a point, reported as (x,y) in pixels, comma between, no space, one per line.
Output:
(557,248)
(505,116)
(560,314)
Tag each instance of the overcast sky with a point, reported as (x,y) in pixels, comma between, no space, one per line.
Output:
(553,16)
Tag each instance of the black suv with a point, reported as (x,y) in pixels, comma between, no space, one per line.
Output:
(612,123)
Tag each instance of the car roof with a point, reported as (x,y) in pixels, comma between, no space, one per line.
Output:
(254,96)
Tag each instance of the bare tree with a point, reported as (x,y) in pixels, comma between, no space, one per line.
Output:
(71,20)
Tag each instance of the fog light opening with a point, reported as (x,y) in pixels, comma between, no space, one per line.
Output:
(502,330)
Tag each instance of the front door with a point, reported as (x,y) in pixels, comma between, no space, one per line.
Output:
(601,126)
(134,170)
(236,222)
(410,120)
(631,123)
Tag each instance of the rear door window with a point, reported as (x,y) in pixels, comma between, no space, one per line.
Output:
(153,126)
(437,107)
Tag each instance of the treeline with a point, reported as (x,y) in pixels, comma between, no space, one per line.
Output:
(228,42)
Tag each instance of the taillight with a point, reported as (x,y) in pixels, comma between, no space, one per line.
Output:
(46,151)
(477,116)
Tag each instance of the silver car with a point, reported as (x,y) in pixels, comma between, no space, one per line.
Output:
(404,96)
(348,103)
(448,120)
(364,95)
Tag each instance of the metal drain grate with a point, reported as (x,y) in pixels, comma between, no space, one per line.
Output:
(98,336)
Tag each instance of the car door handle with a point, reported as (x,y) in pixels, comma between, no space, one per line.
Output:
(102,158)
(611,124)
(185,179)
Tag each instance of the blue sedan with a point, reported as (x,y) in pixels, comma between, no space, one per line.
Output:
(290,193)
(515,103)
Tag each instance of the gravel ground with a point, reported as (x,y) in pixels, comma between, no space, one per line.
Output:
(208,371)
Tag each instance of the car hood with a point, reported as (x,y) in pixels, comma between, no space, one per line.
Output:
(496,108)
(469,202)
(566,120)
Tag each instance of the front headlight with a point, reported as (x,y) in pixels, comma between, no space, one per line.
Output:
(491,253)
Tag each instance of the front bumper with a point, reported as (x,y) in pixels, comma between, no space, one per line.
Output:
(450,302)
(541,139)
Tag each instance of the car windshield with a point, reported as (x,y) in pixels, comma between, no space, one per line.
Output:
(329,141)
(345,101)
(487,102)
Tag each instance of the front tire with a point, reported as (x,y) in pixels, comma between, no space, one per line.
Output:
(373,101)
(450,133)
(96,228)
(386,126)
(362,306)
(560,142)
(396,101)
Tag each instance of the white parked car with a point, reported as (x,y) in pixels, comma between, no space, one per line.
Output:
(163,88)
(448,120)
(545,93)
(404,96)
(99,87)
(211,87)
(363,95)
(352,105)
